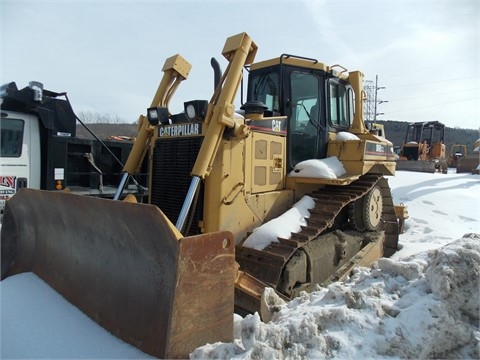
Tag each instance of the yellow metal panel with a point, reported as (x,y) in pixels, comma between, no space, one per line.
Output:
(269,205)
(260,149)
(293,182)
(237,41)
(179,64)
(225,188)
(268,156)
(346,150)
(359,157)
(276,149)
(275,176)
(260,176)
(229,186)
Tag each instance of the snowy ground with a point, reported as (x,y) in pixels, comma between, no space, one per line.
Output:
(424,302)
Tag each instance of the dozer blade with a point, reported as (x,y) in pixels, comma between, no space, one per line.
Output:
(468,163)
(125,266)
(416,165)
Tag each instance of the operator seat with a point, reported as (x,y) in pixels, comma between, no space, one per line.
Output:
(311,127)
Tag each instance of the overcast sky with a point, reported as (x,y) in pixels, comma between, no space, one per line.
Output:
(108,55)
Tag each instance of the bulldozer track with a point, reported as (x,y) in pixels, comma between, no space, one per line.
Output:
(268,264)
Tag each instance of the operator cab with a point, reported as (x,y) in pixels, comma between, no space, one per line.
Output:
(316,100)
(430,134)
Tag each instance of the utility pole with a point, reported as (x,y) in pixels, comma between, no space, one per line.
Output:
(376,99)
(368,105)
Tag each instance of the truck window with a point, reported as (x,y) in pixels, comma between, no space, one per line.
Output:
(11,138)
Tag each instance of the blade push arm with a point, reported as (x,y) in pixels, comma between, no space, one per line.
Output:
(239,50)
(175,70)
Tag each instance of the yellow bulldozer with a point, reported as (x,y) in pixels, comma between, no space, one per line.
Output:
(468,163)
(167,276)
(457,151)
(423,149)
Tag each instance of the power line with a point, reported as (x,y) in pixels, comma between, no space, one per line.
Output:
(435,82)
(473,58)
(377,101)
(435,105)
(437,94)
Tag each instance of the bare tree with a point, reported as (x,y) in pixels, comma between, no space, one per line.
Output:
(91,117)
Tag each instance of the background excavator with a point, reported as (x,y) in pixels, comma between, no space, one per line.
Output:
(218,176)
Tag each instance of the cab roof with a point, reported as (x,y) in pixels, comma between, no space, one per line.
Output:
(303,62)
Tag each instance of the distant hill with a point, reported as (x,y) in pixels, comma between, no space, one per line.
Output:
(395,131)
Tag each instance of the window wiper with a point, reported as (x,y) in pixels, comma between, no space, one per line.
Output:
(313,121)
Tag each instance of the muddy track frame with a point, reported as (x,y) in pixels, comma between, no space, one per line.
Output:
(268,265)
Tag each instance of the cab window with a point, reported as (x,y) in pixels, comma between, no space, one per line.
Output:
(305,116)
(305,94)
(340,112)
(265,88)
(11,137)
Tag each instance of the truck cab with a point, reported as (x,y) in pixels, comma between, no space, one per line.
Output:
(19,154)
(40,149)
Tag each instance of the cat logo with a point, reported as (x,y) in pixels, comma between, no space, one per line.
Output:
(179,130)
(276,125)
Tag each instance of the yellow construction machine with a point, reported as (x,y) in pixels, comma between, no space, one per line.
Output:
(469,162)
(218,175)
(457,151)
(423,149)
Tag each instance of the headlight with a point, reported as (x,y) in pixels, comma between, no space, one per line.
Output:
(152,116)
(158,115)
(190,109)
(196,110)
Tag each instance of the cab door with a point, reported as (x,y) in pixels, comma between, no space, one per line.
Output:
(307,138)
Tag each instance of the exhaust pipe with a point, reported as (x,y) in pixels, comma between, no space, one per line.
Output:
(217,72)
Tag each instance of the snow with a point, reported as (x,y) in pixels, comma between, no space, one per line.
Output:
(441,208)
(328,168)
(423,302)
(282,226)
(345,136)
(293,219)
(37,322)
(421,307)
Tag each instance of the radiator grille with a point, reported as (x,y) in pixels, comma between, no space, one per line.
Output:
(173,160)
